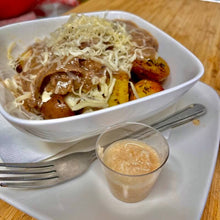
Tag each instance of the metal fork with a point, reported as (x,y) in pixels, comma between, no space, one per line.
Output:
(44,174)
(49,173)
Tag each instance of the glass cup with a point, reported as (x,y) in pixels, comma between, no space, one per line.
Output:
(126,186)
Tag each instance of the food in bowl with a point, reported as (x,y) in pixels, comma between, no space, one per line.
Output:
(185,71)
(87,64)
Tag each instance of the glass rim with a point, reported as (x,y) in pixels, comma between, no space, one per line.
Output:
(133,175)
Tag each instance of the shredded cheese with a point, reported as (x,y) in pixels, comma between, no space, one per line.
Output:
(94,38)
(97,98)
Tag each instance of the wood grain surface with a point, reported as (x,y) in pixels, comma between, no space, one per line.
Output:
(196,25)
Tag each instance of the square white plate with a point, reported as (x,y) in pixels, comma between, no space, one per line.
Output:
(180,192)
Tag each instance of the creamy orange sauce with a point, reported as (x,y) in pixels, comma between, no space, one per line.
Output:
(131,157)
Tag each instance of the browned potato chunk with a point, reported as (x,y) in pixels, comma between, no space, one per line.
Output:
(157,70)
(120,92)
(146,87)
(55,108)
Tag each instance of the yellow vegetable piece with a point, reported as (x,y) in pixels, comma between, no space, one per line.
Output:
(146,87)
(120,93)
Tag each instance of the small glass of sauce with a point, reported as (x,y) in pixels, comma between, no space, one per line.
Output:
(132,156)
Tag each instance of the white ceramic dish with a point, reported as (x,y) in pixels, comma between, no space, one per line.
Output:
(180,192)
(186,70)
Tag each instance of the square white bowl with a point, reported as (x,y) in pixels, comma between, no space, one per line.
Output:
(185,68)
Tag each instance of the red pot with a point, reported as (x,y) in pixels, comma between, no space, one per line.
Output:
(14,8)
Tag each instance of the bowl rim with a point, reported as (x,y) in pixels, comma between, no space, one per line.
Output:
(35,122)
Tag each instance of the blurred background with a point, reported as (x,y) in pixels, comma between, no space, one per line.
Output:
(23,10)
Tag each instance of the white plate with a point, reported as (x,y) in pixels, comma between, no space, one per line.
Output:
(180,192)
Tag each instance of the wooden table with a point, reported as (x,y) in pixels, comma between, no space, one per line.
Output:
(196,25)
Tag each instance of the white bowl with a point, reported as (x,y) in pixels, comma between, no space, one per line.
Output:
(185,68)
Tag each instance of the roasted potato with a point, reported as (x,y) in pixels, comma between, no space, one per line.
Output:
(156,70)
(55,108)
(145,87)
(120,93)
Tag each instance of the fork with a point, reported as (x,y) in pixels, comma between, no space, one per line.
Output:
(45,174)
(49,173)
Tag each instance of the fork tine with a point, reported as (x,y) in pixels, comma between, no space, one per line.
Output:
(22,175)
(27,171)
(45,174)
(30,184)
(27,165)
(27,178)
(26,168)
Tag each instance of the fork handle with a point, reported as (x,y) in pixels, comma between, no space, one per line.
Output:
(180,117)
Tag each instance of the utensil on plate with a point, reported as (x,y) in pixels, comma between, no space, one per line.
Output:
(44,174)
(50,173)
